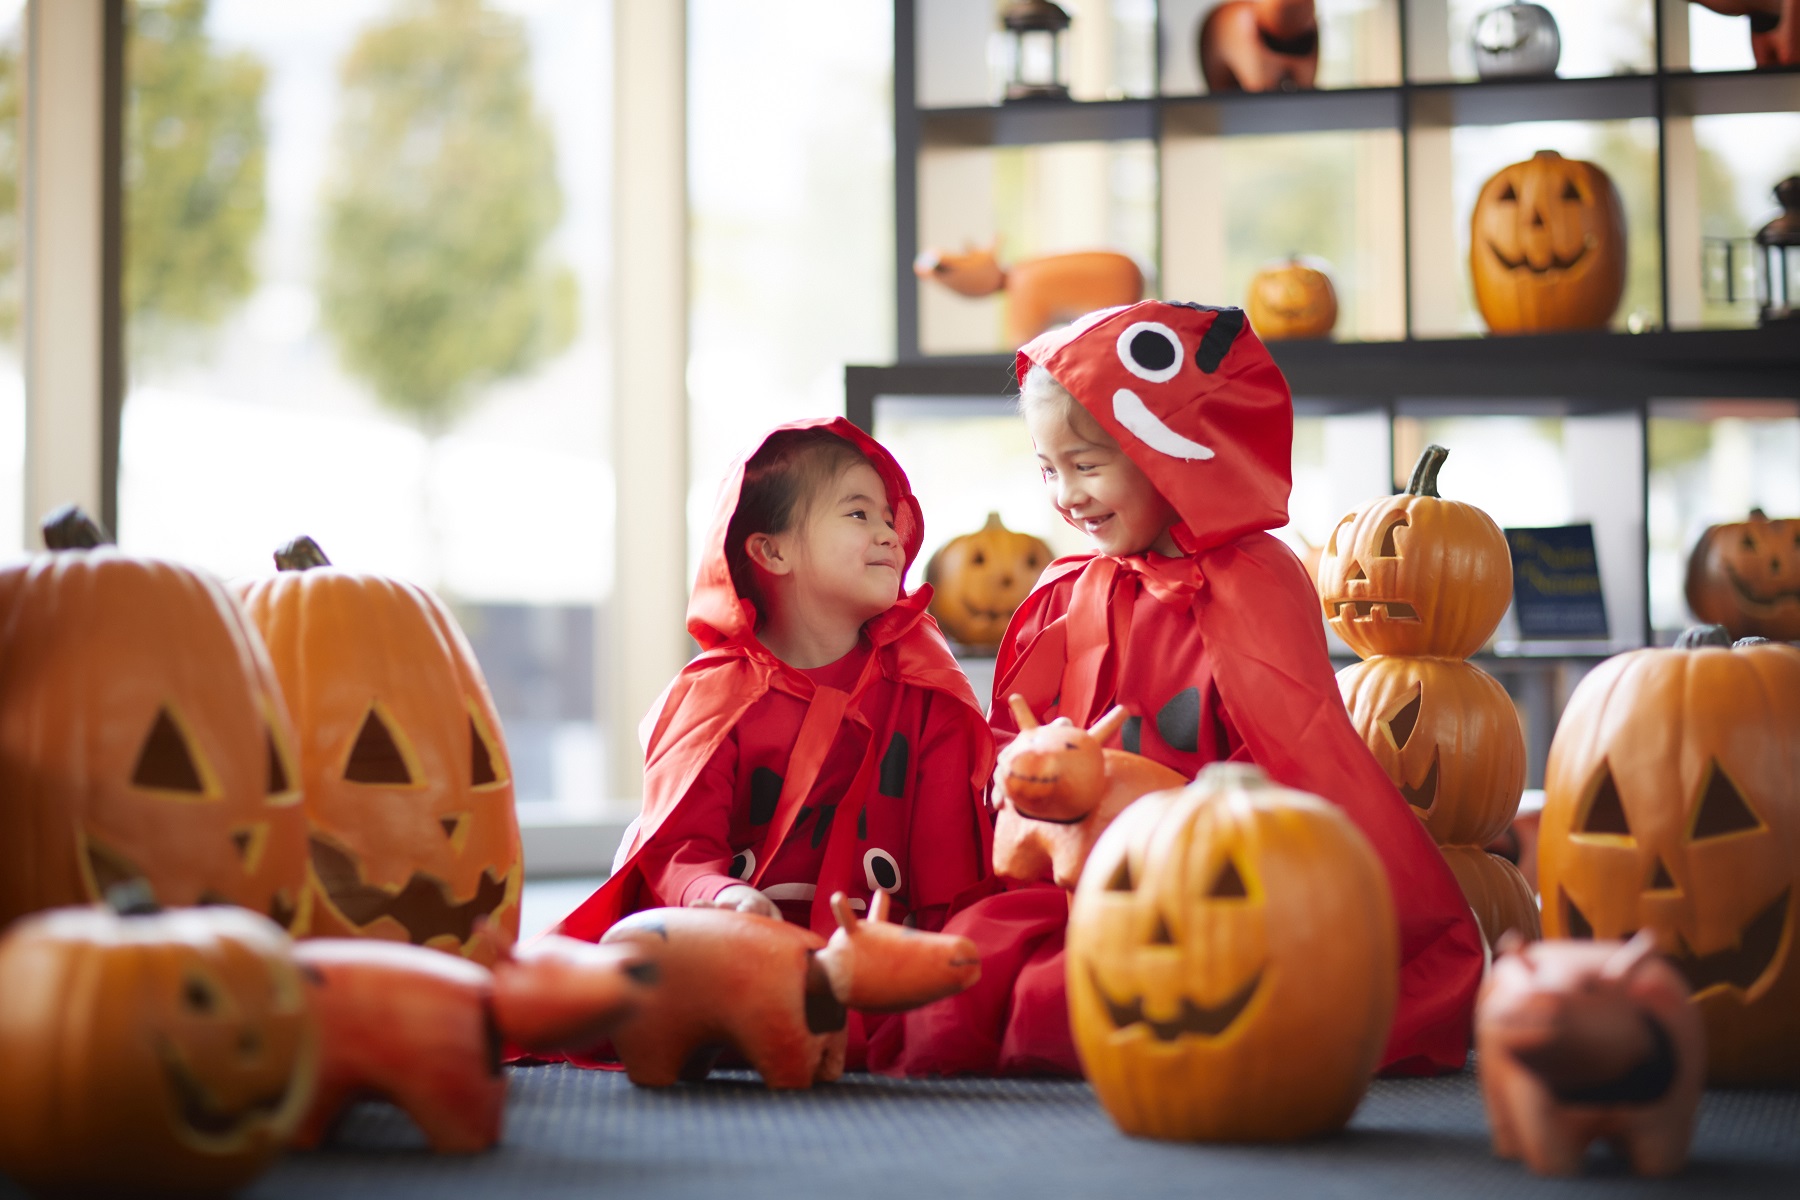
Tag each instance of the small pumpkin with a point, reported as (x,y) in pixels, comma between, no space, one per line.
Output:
(1670,805)
(1415,574)
(1746,577)
(1547,244)
(981,578)
(1292,298)
(149,1053)
(143,736)
(1232,962)
(1496,891)
(409,794)
(1448,735)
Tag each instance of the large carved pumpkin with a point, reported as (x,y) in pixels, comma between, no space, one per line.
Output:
(1746,577)
(1547,246)
(1416,574)
(1448,735)
(142,737)
(1232,962)
(1291,299)
(166,1054)
(980,578)
(1671,805)
(408,787)
(1496,891)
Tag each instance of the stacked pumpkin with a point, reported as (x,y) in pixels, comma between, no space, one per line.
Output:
(1415,584)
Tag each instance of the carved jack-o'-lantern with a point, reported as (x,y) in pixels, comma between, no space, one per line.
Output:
(408,788)
(1670,805)
(1746,577)
(1232,962)
(1547,246)
(978,579)
(1292,299)
(142,737)
(166,1054)
(1448,735)
(1416,574)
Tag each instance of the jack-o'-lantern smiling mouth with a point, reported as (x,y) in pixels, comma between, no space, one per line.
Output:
(1197,1020)
(109,869)
(1365,610)
(198,1110)
(1557,262)
(423,906)
(1761,947)
(1749,594)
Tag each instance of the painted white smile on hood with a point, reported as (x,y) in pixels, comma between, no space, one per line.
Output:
(1147,427)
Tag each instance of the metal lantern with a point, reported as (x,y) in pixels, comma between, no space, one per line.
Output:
(1778,242)
(1514,41)
(1034,50)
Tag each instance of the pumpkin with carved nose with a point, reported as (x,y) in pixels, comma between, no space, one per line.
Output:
(1416,574)
(981,578)
(149,1054)
(1232,962)
(143,736)
(1292,298)
(1746,576)
(408,789)
(1670,805)
(1547,246)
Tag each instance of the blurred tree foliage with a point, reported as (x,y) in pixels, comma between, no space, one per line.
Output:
(193,173)
(11,225)
(434,279)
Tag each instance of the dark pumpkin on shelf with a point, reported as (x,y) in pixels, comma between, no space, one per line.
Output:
(1746,576)
(1292,298)
(1547,246)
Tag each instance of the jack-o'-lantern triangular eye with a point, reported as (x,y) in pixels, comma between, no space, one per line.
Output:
(1604,813)
(1722,809)
(481,765)
(1403,722)
(278,774)
(376,757)
(1228,884)
(1571,192)
(1508,195)
(166,763)
(1388,547)
(1121,880)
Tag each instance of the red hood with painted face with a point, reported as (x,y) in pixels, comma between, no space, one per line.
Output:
(1193,398)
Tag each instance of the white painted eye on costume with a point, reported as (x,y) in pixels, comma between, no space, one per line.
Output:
(1150,350)
(881,871)
(743,864)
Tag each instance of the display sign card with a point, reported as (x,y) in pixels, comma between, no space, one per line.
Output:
(1556,582)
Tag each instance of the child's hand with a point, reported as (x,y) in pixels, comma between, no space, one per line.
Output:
(743,898)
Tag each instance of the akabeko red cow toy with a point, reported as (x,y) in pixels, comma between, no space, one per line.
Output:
(778,994)
(1583,1040)
(1040,292)
(424,1029)
(1059,788)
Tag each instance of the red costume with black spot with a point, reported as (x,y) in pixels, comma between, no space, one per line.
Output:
(1218,654)
(866,773)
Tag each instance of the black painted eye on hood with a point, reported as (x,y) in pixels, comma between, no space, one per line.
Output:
(1150,350)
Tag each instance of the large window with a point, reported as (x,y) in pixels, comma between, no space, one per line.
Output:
(365,286)
(12,281)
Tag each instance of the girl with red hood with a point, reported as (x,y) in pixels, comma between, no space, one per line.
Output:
(1164,432)
(824,739)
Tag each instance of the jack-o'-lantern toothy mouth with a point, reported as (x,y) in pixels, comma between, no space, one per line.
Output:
(1748,594)
(198,1111)
(1761,944)
(109,869)
(1557,262)
(423,906)
(1197,1020)
(1365,610)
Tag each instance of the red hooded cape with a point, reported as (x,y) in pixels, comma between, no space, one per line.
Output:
(1218,654)
(734,672)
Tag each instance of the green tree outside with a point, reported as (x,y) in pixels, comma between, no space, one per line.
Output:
(434,278)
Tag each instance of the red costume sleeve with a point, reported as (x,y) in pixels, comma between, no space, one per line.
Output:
(690,860)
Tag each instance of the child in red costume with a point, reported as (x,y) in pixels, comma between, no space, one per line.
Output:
(1164,432)
(824,739)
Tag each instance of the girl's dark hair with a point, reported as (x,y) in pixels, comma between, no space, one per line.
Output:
(782,481)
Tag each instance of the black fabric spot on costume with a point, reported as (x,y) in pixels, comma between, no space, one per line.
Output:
(886,877)
(765,793)
(1219,337)
(893,766)
(1131,735)
(862,825)
(823,825)
(1178,721)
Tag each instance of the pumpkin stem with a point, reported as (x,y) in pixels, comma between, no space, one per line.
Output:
(301,554)
(133,898)
(1696,636)
(68,528)
(993,522)
(1757,514)
(1425,472)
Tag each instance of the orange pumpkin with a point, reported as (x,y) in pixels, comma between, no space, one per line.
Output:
(167,1054)
(1416,574)
(1670,805)
(142,736)
(407,782)
(1547,246)
(1290,299)
(1746,577)
(1232,962)
(1448,736)
(980,578)
(1496,891)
